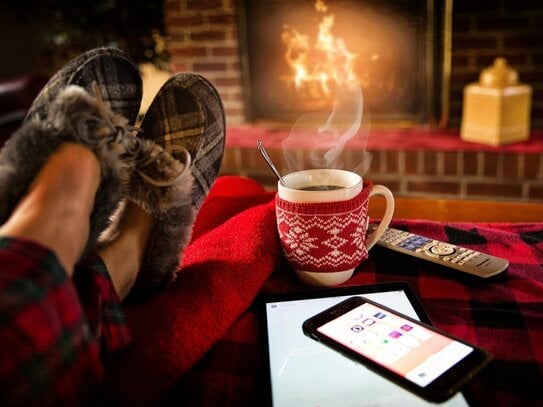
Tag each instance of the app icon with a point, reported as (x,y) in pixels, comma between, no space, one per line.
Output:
(368,322)
(380,315)
(395,334)
(357,328)
(406,327)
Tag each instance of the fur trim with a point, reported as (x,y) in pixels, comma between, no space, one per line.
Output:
(73,116)
(174,215)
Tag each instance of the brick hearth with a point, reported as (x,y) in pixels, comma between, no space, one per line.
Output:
(439,165)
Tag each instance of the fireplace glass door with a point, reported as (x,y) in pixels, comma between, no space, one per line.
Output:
(298,57)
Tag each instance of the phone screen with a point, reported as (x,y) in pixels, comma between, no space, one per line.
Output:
(411,350)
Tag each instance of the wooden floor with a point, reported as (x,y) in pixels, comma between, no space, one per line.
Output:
(453,210)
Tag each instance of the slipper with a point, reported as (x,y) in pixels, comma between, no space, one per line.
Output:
(116,75)
(187,111)
(118,82)
(184,124)
(74,116)
(162,186)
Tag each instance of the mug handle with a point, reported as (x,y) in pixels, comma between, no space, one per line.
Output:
(387,217)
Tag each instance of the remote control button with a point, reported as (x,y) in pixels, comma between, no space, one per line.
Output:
(442,250)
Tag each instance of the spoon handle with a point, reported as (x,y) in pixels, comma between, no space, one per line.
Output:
(270,163)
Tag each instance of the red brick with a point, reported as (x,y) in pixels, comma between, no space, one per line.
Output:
(434,187)
(502,22)
(210,66)
(531,77)
(459,60)
(522,40)
(221,18)
(411,162)
(513,59)
(204,4)
(252,160)
(179,66)
(225,82)
(209,35)
(474,42)
(188,51)
(538,58)
(430,162)
(450,163)
(510,190)
(184,21)
(490,165)
(172,6)
(393,185)
(234,111)
(224,51)
(392,165)
(532,166)
(462,23)
(465,78)
(537,94)
(359,160)
(375,162)
(536,192)
(229,159)
(511,166)
(470,6)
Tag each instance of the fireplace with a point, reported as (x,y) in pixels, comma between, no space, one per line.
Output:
(203,36)
(302,57)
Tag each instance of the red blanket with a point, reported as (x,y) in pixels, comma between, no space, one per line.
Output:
(196,343)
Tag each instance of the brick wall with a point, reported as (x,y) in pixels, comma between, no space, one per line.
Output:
(484,29)
(203,38)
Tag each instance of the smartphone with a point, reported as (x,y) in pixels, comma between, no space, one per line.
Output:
(428,362)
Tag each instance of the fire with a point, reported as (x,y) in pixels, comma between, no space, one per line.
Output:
(319,67)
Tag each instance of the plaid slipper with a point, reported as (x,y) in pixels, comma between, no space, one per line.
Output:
(162,186)
(188,112)
(77,116)
(115,73)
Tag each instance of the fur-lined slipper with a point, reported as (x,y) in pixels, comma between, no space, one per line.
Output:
(74,116)
(116,75)
(162,186)
(188,112)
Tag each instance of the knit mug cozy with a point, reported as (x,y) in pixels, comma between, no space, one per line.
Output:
(325,241)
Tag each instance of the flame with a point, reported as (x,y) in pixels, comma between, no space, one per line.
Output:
(320,67)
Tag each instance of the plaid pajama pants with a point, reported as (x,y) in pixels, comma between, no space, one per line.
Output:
(56,333)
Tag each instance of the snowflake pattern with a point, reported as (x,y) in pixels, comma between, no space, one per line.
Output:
(324,242)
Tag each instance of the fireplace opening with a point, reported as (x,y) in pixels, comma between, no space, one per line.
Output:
(297,56)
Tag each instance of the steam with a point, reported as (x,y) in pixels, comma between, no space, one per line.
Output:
(323,73)
(326,134)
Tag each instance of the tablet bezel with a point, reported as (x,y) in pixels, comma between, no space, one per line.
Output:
(267,298)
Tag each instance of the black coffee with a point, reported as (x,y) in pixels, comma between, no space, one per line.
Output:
(321,188)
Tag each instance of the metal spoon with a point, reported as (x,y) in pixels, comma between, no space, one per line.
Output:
(270,163)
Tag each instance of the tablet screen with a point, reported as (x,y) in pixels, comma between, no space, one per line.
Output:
(303,372)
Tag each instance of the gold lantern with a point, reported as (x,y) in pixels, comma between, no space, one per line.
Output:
(497,109)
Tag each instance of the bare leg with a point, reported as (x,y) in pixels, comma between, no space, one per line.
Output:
(56,210)
(124,255)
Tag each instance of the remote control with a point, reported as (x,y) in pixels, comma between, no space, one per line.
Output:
(446,254)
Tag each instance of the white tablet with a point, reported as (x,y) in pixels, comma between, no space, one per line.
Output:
(301,372)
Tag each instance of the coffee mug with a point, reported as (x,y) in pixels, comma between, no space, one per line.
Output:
(322,220)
